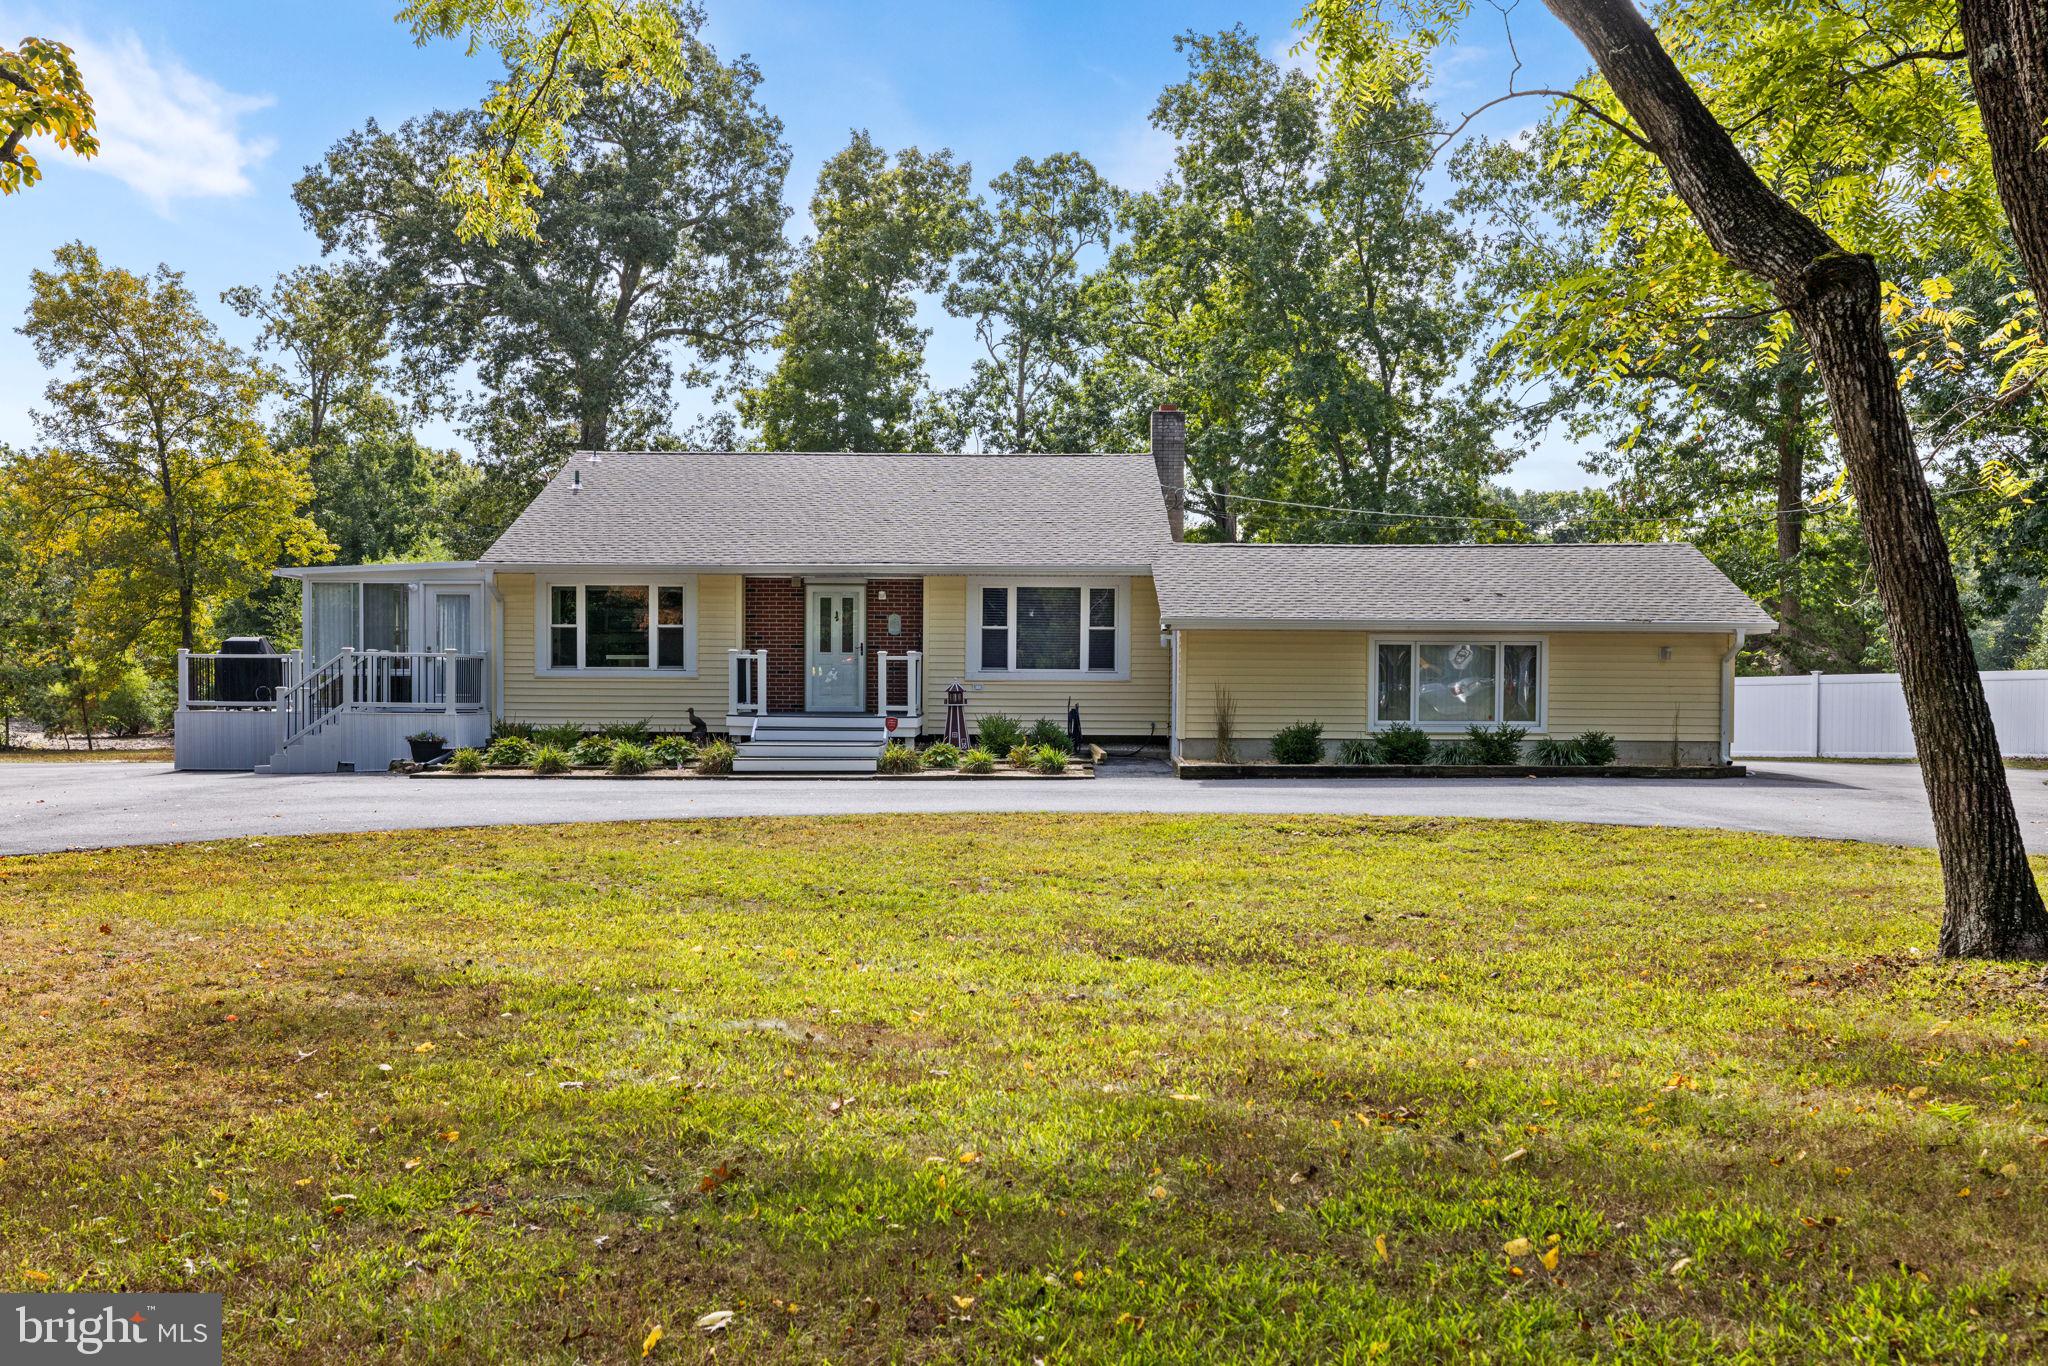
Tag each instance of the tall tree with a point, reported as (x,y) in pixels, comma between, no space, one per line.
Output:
(41,95)
(1834,297)
(154,477)
(330,326)
(557,53)
(851,370)
(658,261)
(1021,282)
(1289,286)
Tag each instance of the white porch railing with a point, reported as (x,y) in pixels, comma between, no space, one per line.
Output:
(382,680)
(746,682)
(225,682)
(909,699)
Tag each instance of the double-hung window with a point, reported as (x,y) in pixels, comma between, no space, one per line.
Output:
(620,626)
(1049,628)
(1449,684)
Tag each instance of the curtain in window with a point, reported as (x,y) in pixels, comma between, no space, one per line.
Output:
(384,624)
(1396,698)
(333,626)
(1048,628)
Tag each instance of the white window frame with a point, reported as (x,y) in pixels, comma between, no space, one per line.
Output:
(543,625)
(1011,583)
(1415,643)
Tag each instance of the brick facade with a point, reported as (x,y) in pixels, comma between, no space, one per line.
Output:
(905,599)
(774,619)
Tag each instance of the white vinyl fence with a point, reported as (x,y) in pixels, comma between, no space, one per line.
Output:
(1863,716)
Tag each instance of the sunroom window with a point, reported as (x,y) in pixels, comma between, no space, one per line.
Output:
(621,626)
(1452,684)
(1049,628)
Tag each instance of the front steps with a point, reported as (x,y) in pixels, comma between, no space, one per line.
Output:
(812,744)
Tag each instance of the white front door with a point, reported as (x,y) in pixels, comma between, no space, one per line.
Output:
(835,648)
(454,620)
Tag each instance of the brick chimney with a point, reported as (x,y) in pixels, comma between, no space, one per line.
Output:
(1170,455)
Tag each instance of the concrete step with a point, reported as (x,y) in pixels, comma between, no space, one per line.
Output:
(746,763)
(780,748)
(842,725)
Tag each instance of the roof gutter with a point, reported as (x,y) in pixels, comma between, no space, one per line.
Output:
(1446,626)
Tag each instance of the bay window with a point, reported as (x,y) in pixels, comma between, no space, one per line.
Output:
(1449,684)
(1049,627)
(618,625)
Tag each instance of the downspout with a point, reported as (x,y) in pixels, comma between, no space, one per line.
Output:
(1728,697)
(497,643)
(1173,704)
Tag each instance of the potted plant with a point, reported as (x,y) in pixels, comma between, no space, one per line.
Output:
(426,746)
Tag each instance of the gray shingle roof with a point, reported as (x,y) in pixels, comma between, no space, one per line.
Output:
(1593,586)
(754,510)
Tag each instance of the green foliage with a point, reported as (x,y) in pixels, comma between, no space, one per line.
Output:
(1594,748)
(1020,282)
(545,44)
(1048,733)
(634,732)
(427,737)
(519,730)
(897,757)
(466,761)
(1401,745)
(1226,726)
(2036,655)
(562,735)
(673,751)
(509,751)
(977,760)
(1496,744)
(716,757)
(942,755)
(42,95)
(997,733)
(1299,743)
(592,751)
(1356,750)
(154,482)
(1020,755)
(851,363)
(630,759)
(550,759)
(1554,751)
(1049,759)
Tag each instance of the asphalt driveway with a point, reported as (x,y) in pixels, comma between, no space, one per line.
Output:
(46,807)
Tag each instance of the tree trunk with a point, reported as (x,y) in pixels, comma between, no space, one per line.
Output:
(1791,493)
(2008,45)
(1992,907)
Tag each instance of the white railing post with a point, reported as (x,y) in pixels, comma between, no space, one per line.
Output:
(184,679)
(1816,676)
(448,673)
(882,682)
(348,676)
(913,684)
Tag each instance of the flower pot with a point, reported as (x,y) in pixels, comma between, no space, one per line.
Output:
(426,751)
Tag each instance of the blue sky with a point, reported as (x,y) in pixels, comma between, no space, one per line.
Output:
(209,111)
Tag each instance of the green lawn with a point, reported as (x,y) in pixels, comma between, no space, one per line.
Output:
(158,754)
(1089,1088)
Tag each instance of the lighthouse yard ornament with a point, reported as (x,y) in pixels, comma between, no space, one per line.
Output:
(956,716)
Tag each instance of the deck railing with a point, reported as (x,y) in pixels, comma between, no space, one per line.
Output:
(382,680)
(226,682)
(746,682)
(908,698)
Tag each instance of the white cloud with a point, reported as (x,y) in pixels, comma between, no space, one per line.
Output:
(165,131)
(1139,156)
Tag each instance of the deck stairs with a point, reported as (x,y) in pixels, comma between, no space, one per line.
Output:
(795,743)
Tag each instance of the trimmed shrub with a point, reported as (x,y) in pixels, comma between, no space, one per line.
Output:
(1595,748)
(630,760)
(1401,745)
(898,757)
(942,755)
(466,761)
(998,734)
(977,761)
(562,736)
(1049,759)
(550,759)
(1496,744)
(1353,751)
(673,751)
(592,751)
(511,730)
(1452,753)
(1019,756)
(630,732)
(1048,733)
(1554,753)
(509,751)
(716,757)
(1300,743)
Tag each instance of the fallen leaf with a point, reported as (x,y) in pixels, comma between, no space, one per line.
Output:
(964,1301)
(1516,1156)
(714,1321)
(1517,1247)
(653,1336)
(220,1197)
(1379,1245)
(1680,1265)
(1549,1259)
(423,1048)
